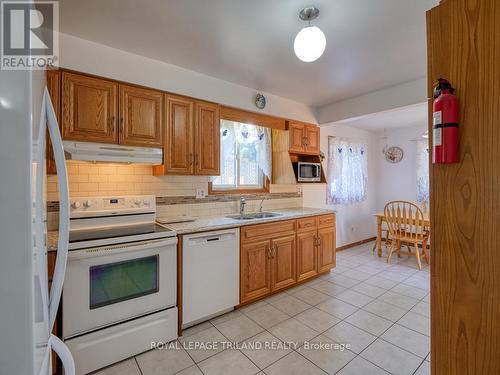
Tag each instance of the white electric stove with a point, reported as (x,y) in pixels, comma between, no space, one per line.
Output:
(121,280)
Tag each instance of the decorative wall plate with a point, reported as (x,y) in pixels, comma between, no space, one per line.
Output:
(260,101)
(394,154)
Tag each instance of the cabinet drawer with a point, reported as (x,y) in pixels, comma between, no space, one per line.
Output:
(265,231)
(306,224)
(326,221)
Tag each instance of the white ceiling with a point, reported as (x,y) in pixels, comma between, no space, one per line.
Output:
(371,44)
(413,115)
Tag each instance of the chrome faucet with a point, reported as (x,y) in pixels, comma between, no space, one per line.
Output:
(243,202)
(261,203)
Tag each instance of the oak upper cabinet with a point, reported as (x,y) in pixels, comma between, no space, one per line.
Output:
(304,138)
(54,88)
(89,108)
(191,145)
(283,254)
(207,139)
(141,112)
(178,150)
(296,131)
(311,139)
(255,270)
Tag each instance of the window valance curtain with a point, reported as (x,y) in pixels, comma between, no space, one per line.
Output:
(233,132)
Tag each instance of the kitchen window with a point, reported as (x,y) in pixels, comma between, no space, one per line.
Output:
(245,159)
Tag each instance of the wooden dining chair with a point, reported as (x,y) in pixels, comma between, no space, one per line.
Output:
(406,225)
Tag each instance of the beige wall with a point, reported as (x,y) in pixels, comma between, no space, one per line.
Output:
(86,56)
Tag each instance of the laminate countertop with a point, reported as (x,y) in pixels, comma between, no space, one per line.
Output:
(210,223)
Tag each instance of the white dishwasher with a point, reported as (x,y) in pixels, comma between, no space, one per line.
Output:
(210,274)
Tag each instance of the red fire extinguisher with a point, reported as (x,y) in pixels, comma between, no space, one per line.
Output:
(445,124)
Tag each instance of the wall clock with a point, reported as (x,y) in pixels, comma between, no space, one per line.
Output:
(260,101)
(394,154)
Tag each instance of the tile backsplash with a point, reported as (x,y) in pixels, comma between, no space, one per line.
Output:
(88,179)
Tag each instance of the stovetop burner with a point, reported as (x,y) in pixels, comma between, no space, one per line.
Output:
(116,232)
(103,221)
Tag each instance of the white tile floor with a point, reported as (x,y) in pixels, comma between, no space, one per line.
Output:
(380,310)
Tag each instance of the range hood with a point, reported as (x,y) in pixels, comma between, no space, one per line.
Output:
(103,152)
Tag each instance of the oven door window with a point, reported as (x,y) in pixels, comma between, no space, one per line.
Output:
(116,282)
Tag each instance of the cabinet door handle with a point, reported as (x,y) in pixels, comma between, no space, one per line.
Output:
(113,124)
(274,251)
(196,160)
(191,159)
(269,255)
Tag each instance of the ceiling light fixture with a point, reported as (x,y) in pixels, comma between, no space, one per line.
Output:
(310,42)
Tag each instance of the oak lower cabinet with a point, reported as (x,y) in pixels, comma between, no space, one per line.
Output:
(307,255)
(255,266)
(278,255)
(326,249)
(315,245)
(267,259)
(51,264)
(283,260)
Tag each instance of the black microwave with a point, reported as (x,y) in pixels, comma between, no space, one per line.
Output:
(308,172)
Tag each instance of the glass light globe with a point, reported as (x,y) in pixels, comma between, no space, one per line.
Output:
(309,44)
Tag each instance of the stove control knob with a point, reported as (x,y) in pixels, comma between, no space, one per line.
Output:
(87,203)
(76,204)
(137,202)
(146,203)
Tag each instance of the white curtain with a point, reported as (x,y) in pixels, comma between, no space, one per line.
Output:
(423,171)
(347,171)
(233,133)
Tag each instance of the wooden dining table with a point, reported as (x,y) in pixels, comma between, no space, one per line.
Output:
(381,219)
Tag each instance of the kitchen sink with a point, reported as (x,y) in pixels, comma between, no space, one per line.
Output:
(257,215)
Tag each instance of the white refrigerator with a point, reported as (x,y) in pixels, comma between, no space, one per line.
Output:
(27,309)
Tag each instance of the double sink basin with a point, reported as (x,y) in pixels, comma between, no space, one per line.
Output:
(252,216)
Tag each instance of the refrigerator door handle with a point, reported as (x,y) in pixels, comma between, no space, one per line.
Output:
(62,181)
(64,354)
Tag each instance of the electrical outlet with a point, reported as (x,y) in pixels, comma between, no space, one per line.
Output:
(299,190)
(200,193)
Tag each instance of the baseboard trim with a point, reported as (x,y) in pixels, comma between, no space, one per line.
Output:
(348,246)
